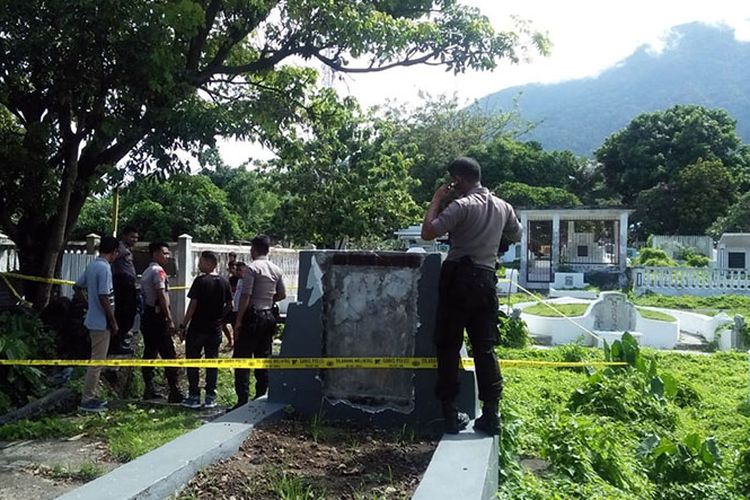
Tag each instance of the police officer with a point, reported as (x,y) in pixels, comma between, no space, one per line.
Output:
(476,221)
(126,295)
(262,287)
(157,325)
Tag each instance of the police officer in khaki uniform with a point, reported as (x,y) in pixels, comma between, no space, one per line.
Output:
(157,325)
(262,287)
(476,221)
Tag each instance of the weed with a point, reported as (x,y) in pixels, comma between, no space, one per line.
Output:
(290,487)
(316,427)
(89,471)
(406,434)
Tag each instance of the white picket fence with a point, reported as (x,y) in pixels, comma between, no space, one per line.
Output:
(691,281)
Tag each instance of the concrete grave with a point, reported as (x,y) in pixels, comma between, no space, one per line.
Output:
(365,304)
(613,313)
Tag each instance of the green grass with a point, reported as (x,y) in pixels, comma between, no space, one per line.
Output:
(656,315)
(576,310)
(569,310)
(535,399)
(128,432)
(731,304)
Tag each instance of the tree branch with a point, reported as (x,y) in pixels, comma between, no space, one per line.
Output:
(337,66)
(199,41)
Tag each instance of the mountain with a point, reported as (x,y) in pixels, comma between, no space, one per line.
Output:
(700,64)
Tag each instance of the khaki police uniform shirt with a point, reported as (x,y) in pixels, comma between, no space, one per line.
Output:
(262,280)
(475,223)
(153,281)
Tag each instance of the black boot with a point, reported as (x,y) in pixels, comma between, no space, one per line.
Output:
(489,422)
(454,420)
(151,392)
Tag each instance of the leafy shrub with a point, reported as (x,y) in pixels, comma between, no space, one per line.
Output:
(743,472)
(634,392)
(654,257)
(22,336)
(697,260)
(690,461)
(622,395)
(513,331)
(584,450)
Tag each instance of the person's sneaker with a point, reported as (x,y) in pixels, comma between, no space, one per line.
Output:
(121,351)
(210,402)
(454,425)
(152,393)
(175,397)
(193,402)
(454,420)
(93,405)
(488,423)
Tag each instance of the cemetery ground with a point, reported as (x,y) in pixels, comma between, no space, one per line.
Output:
(566,434)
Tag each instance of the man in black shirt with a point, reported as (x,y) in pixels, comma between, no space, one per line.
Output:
(210,301)
(126,295)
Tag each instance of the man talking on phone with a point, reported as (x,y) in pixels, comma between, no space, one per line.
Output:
(475,221)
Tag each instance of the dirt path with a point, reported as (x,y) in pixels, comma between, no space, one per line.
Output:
(46,469)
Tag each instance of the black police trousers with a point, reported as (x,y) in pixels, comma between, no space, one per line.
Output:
(253,341)
(467,300)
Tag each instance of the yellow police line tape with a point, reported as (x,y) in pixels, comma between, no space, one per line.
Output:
(292,363)
(55,281)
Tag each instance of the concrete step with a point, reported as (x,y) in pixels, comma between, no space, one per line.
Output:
(685,346)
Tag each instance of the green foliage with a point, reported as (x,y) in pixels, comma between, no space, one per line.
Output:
(689,461)
(743,471)
(165,79)
(623,395)
(352,176)
(736,219)
(656,257)
(22,336)
(655,147)
(182,204)
(440,130)
(587,451)
(688,203)
(519,194)
(513,332)
(44,428)
(504,159)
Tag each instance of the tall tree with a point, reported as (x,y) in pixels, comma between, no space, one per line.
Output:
(688,204)
(441,130)
(736,220)
(654,147)
(349,181)
(163,210)
(522,195)
(84,84)
(507,160)
(251,193)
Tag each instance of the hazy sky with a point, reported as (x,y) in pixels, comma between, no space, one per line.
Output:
(587,37)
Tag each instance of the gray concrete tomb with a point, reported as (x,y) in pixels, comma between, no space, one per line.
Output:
(365,304)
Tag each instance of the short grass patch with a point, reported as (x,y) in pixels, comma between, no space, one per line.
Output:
(569,310)
(731,304)
(656,315)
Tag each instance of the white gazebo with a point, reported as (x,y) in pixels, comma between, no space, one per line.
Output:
(573,240)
